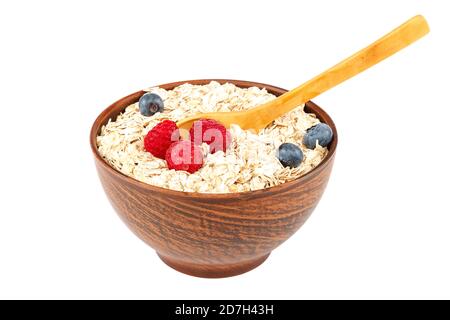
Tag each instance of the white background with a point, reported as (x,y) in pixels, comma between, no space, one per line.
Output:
(382,229)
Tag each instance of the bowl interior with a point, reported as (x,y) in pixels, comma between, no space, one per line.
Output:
(119,106)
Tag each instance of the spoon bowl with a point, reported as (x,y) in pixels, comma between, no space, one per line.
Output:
(259,117)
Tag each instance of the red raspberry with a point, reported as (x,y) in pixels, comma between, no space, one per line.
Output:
(159,139)
(211,132)
(184,155)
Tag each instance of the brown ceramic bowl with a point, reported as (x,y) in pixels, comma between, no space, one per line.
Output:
(212,235)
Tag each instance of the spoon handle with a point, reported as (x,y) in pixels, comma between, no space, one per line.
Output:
(397,39)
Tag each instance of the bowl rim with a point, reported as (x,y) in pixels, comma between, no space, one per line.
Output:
(114,107)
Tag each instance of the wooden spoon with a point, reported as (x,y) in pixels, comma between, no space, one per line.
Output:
(261,116)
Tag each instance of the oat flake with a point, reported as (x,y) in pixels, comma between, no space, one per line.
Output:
(250,163)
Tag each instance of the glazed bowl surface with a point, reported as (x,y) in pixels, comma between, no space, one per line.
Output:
(212,235)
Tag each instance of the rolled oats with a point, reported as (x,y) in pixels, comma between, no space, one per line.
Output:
(249,164)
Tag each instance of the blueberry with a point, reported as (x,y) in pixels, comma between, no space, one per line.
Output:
(290,155)
(150,103)
(320,132)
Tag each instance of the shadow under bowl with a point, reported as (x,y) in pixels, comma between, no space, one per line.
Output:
(212,235)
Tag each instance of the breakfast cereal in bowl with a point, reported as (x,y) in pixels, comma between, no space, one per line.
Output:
(144,143)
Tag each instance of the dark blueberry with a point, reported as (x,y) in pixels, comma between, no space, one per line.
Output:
(290,155)
(320,132)
(150,103)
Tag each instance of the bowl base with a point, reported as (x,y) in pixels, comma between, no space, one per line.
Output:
(213,271)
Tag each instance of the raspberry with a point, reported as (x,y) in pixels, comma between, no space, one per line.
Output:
(211,132)
(184,155)
(159,139)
